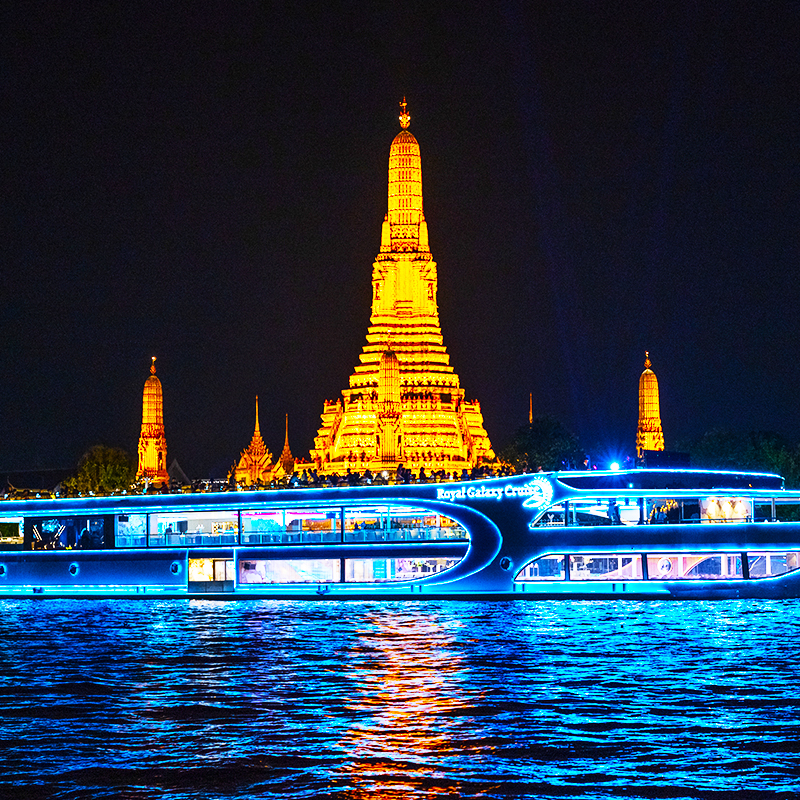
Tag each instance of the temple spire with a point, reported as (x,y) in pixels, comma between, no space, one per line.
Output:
(257,447)
(286,459)
(152,440)
(649,434)
(404,402)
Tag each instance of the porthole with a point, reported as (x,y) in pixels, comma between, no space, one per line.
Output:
(74,569)
(2,570)
(175,568)
(505,563)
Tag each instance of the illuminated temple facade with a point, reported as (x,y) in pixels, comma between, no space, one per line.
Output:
(649,435)
(404,404)
(152,439)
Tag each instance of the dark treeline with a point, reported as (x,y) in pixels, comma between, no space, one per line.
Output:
(547,444)
(756,451)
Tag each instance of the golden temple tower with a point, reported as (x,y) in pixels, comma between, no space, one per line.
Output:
(152,441)
(404,404)
(255,464)
(649,435)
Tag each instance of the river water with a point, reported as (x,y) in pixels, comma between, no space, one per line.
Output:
(201,699)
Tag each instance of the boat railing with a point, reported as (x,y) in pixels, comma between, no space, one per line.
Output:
(428,534)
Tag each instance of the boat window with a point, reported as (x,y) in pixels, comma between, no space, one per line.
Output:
(289,570)
(726,509)
(68,533)
(211,569)
(663,511)
(379,570)
(291,526)
(764,564)
(694,566)
(785,512)
(763,512)
(194,528)
(605,567)
(591,512)
(551,517)
(546,568)
(394,523)
(11,534)
(131,530)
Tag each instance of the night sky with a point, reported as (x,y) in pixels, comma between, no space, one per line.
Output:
(206,183)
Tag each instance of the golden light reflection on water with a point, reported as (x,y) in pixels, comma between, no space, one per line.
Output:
(409,697)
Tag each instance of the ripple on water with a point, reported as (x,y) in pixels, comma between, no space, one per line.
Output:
(190,699)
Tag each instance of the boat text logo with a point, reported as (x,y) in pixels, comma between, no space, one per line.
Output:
(537,493)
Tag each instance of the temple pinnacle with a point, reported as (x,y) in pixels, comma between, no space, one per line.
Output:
(153,366)
(405,117)
(647,363)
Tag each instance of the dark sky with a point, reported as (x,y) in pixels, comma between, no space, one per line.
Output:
(207,184)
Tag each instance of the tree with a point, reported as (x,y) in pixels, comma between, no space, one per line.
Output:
(102,470)
(760,451)
(545,444)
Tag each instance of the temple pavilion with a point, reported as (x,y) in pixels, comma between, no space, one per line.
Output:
(255,466)
(404,404)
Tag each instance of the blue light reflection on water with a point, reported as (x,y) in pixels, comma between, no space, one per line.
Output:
(198,699)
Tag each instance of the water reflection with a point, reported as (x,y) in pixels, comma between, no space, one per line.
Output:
(409,684)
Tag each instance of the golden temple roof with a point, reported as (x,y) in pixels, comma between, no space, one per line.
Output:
(256,448)
(255,463)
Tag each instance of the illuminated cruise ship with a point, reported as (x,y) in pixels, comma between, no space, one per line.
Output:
(566,535)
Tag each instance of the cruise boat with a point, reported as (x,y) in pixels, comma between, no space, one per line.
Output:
(643,533)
